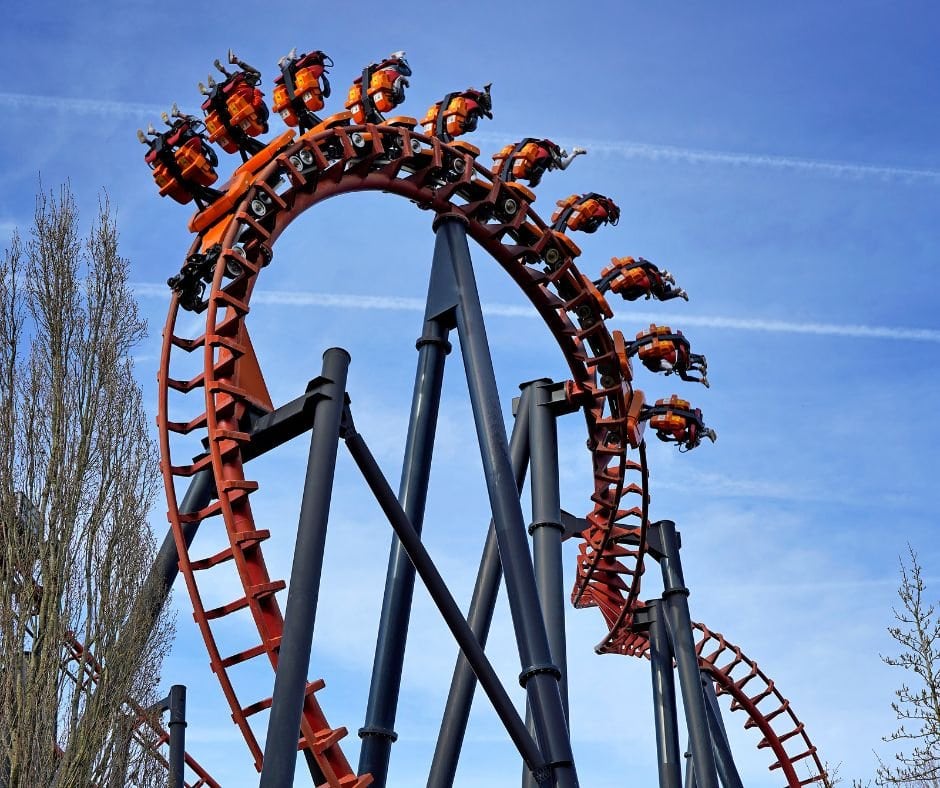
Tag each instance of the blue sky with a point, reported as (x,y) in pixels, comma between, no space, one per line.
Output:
(781,160)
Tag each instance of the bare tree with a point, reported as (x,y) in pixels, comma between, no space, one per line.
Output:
(917,701)
(77,479)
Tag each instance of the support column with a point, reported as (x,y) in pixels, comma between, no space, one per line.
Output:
(539,675)
(664,546)
(669,759)
(290,682)
(546,528)
(482,604)
(727,771)
(547,532)
(378,732)
(177,760)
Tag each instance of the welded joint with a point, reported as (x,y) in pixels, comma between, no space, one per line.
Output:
(535,670)
(545,775)
(347,427)
(271,429)
(542,775)
(643,618)
(572,524)
(654,542)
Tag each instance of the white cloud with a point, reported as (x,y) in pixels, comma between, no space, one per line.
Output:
(403,304)
(625,148)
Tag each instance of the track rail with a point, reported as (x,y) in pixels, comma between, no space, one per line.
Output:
(147,728)
(751,691)
(265,196)
(423,169)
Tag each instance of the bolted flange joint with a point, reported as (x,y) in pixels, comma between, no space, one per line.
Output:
(534,670)
(373,730)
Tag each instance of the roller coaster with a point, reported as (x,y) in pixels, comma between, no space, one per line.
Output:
(227,408)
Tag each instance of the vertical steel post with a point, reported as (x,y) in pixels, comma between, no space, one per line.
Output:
(378,732)
(664,545)
(727,771)
(177,704)
(664,698)
(482,604)
(546,528)
(290,681)
(547,531)
(539,675)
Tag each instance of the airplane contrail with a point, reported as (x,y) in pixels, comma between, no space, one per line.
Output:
(88,106)
(407,304)
(623,148)
(673,153)
(636,150)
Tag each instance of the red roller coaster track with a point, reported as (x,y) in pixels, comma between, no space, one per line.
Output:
(264,196)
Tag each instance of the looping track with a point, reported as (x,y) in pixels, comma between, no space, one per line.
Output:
(445,179)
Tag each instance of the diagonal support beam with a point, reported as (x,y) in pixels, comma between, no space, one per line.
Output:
(442,597)
(482,604)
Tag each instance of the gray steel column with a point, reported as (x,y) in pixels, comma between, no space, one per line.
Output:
(165,566)
(664,545)
(290,682)
(539,675)
(546,528)
(727,771)
(664,699)
(689,768)
(442,597)
(378,732)
(177,760)
(547,532)
(482,604)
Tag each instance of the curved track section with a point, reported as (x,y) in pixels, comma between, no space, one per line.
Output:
(752,692)
(147,730)
(238,231)
(444,179)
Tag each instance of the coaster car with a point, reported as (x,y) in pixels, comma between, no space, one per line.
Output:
(633,279)
(302,87)
(530,159)
(386,83)
(190,283)
(183,164)
(585,212)
(675,421)
(235,109)
(660,349)
(458,113)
